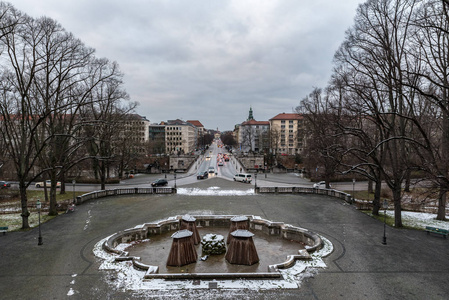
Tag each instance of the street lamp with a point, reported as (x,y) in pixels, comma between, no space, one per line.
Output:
(255,181)
(38,206)
(353,188)
(385,206)
(175,180)
(73,183)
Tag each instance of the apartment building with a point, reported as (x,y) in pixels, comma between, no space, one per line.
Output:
(287,133)
(199,133)
(179,137)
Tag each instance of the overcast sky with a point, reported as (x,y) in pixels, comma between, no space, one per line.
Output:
(210,60)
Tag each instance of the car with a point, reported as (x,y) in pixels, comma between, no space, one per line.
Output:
(220,163)
(202,175)
(4,185)
(319,184)
(243,177)
(160,182)
(211,170)
(47,183)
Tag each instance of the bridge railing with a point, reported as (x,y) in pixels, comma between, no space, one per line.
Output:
(123,191)
(304,190)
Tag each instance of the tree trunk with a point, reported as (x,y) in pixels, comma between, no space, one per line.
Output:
(376,201)
(408,175)
(397,206)
(102,171)
(441,215)
(370,186)
(24,203)
(53,203)
(62,178)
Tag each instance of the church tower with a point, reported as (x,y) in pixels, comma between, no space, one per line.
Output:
(250,116)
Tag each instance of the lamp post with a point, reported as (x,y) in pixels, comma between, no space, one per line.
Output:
(353,189)
(255,181)
(73,183)
(175,180)
(385,206)
(38,206)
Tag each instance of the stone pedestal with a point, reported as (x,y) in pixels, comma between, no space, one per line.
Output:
(237,222)
(182,250)
(188,222)
(241,249)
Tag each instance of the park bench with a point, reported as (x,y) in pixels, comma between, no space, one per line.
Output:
(443,232)
(4,229)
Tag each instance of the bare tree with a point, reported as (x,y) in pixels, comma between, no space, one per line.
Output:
(323,140)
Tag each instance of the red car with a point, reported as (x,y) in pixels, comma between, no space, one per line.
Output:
(4,184)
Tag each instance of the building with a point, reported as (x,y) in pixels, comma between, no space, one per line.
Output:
(253,136)
(136,127)
(287,133)
(199,133)
(179,137)
(156,143)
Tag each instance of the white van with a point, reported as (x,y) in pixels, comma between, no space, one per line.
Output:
(243,177)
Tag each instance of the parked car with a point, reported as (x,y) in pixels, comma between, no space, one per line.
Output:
(319,184)
(47,183)
(202,175)
(243,177)
(4,185)
(159,182)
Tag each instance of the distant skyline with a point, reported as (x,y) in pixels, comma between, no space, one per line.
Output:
(210,60)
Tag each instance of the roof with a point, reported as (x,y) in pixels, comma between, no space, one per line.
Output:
(195,123)
(254,122)
(284,116)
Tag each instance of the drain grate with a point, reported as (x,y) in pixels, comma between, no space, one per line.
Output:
(213,285)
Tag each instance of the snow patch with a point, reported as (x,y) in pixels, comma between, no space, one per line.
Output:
(213,191)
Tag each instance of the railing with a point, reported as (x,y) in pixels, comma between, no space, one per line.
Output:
(304,190)
(125,191)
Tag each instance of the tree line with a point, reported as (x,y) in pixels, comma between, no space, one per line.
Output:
(384,114)
(60,105)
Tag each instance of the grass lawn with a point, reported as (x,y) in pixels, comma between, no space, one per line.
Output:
(14,220)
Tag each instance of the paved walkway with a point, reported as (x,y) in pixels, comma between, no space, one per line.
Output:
(413,265)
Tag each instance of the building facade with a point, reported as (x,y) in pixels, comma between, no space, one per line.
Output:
(253,136)
(287,133)
(179,137)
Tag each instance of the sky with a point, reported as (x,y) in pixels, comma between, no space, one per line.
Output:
(210,60)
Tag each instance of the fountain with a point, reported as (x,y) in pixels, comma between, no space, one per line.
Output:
(279,246)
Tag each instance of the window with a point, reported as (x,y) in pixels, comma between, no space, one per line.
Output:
(290,122)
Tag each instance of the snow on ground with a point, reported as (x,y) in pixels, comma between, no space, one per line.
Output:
(213,191)
(420,220)
(130,279)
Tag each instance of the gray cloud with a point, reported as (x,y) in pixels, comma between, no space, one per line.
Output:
(210,60)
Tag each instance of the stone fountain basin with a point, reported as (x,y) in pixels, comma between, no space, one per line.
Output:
(278,245)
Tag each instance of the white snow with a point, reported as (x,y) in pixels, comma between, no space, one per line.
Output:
(420,220)
(213,191)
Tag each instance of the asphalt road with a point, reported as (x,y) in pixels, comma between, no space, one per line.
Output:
(413,265)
